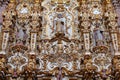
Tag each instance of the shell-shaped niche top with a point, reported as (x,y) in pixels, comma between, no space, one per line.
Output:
(23,8)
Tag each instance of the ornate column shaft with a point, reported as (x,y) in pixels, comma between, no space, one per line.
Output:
(5,40)
(73,30)
(85,23)
(112,18)
(33,40)
(115,41)
(7,22)
(87,41)
(47,30)
(35,24)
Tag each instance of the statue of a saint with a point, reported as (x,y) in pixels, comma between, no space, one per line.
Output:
(20,34)
(98,35)
(60,26)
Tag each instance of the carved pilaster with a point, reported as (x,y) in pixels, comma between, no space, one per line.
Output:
(115,41)
(35,26)
(87,41)
(86,24)
(7,23)
(112,22)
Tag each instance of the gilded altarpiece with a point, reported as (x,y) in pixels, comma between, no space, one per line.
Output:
(59,40)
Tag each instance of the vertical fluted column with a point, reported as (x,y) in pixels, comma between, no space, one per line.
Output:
(112,19)
(115,41)
(7,22)
(46,25)
(73,30)
(5,39)
(47,31)
(35,18)
(33,42)
(86,24)
(87,41)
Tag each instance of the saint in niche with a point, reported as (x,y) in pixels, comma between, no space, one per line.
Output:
(60,26)
(25,36)
(98,35)
(21,36)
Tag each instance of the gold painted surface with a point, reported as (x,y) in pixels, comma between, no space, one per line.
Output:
(60,1)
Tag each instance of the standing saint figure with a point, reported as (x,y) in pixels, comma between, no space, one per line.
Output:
(98,36)
(60,26)
(20,34)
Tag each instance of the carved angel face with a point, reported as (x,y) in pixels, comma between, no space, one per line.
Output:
(23,8)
